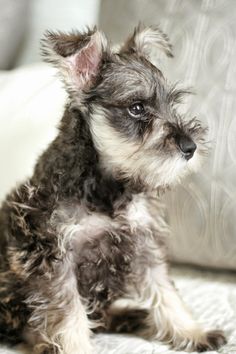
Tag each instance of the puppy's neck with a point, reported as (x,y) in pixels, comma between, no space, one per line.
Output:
(70,169)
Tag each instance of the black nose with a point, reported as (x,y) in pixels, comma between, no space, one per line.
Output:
(187,146)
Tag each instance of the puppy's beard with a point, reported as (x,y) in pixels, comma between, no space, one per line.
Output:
(135,161)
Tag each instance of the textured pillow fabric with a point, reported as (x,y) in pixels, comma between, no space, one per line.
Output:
(13,20)
(202,212)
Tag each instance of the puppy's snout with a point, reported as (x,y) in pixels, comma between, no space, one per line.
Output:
(186,145)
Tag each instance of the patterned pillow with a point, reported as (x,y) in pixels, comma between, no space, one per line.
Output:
(202,212)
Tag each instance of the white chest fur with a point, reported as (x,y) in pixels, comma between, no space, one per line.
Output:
(75,225)
(138,214)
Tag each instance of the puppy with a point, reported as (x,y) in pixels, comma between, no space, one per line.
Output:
(87,228)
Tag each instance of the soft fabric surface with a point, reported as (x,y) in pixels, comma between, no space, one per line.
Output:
(202,212)
(31,104)
(210,295)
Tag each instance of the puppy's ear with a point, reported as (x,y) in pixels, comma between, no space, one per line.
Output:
(76,55)
(145,39)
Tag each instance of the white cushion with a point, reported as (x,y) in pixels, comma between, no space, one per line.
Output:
(31,103)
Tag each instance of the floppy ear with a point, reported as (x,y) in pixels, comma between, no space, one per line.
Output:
(76,55)
(144,39)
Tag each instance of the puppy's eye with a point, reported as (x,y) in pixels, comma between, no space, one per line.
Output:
(136,110)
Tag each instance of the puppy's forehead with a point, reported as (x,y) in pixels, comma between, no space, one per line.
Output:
(128,78)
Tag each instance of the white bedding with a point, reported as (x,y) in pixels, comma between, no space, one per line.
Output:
(210,295)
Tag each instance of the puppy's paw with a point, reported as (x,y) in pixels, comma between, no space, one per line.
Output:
(212,341)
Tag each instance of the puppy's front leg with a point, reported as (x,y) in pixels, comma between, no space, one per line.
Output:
(169,320)
(58,323)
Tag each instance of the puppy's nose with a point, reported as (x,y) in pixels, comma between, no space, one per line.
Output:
(187,146)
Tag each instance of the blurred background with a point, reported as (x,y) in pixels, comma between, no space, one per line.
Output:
(203,33)
(23,22)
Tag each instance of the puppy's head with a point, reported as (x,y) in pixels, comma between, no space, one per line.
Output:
(129,107)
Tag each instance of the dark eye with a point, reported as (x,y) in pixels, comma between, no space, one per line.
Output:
(136,109)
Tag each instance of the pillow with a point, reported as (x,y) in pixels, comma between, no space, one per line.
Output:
(201,212)
(31,103)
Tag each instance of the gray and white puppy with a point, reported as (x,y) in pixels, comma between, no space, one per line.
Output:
(87,229)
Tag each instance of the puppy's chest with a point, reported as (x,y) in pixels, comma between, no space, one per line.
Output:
(104,248)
